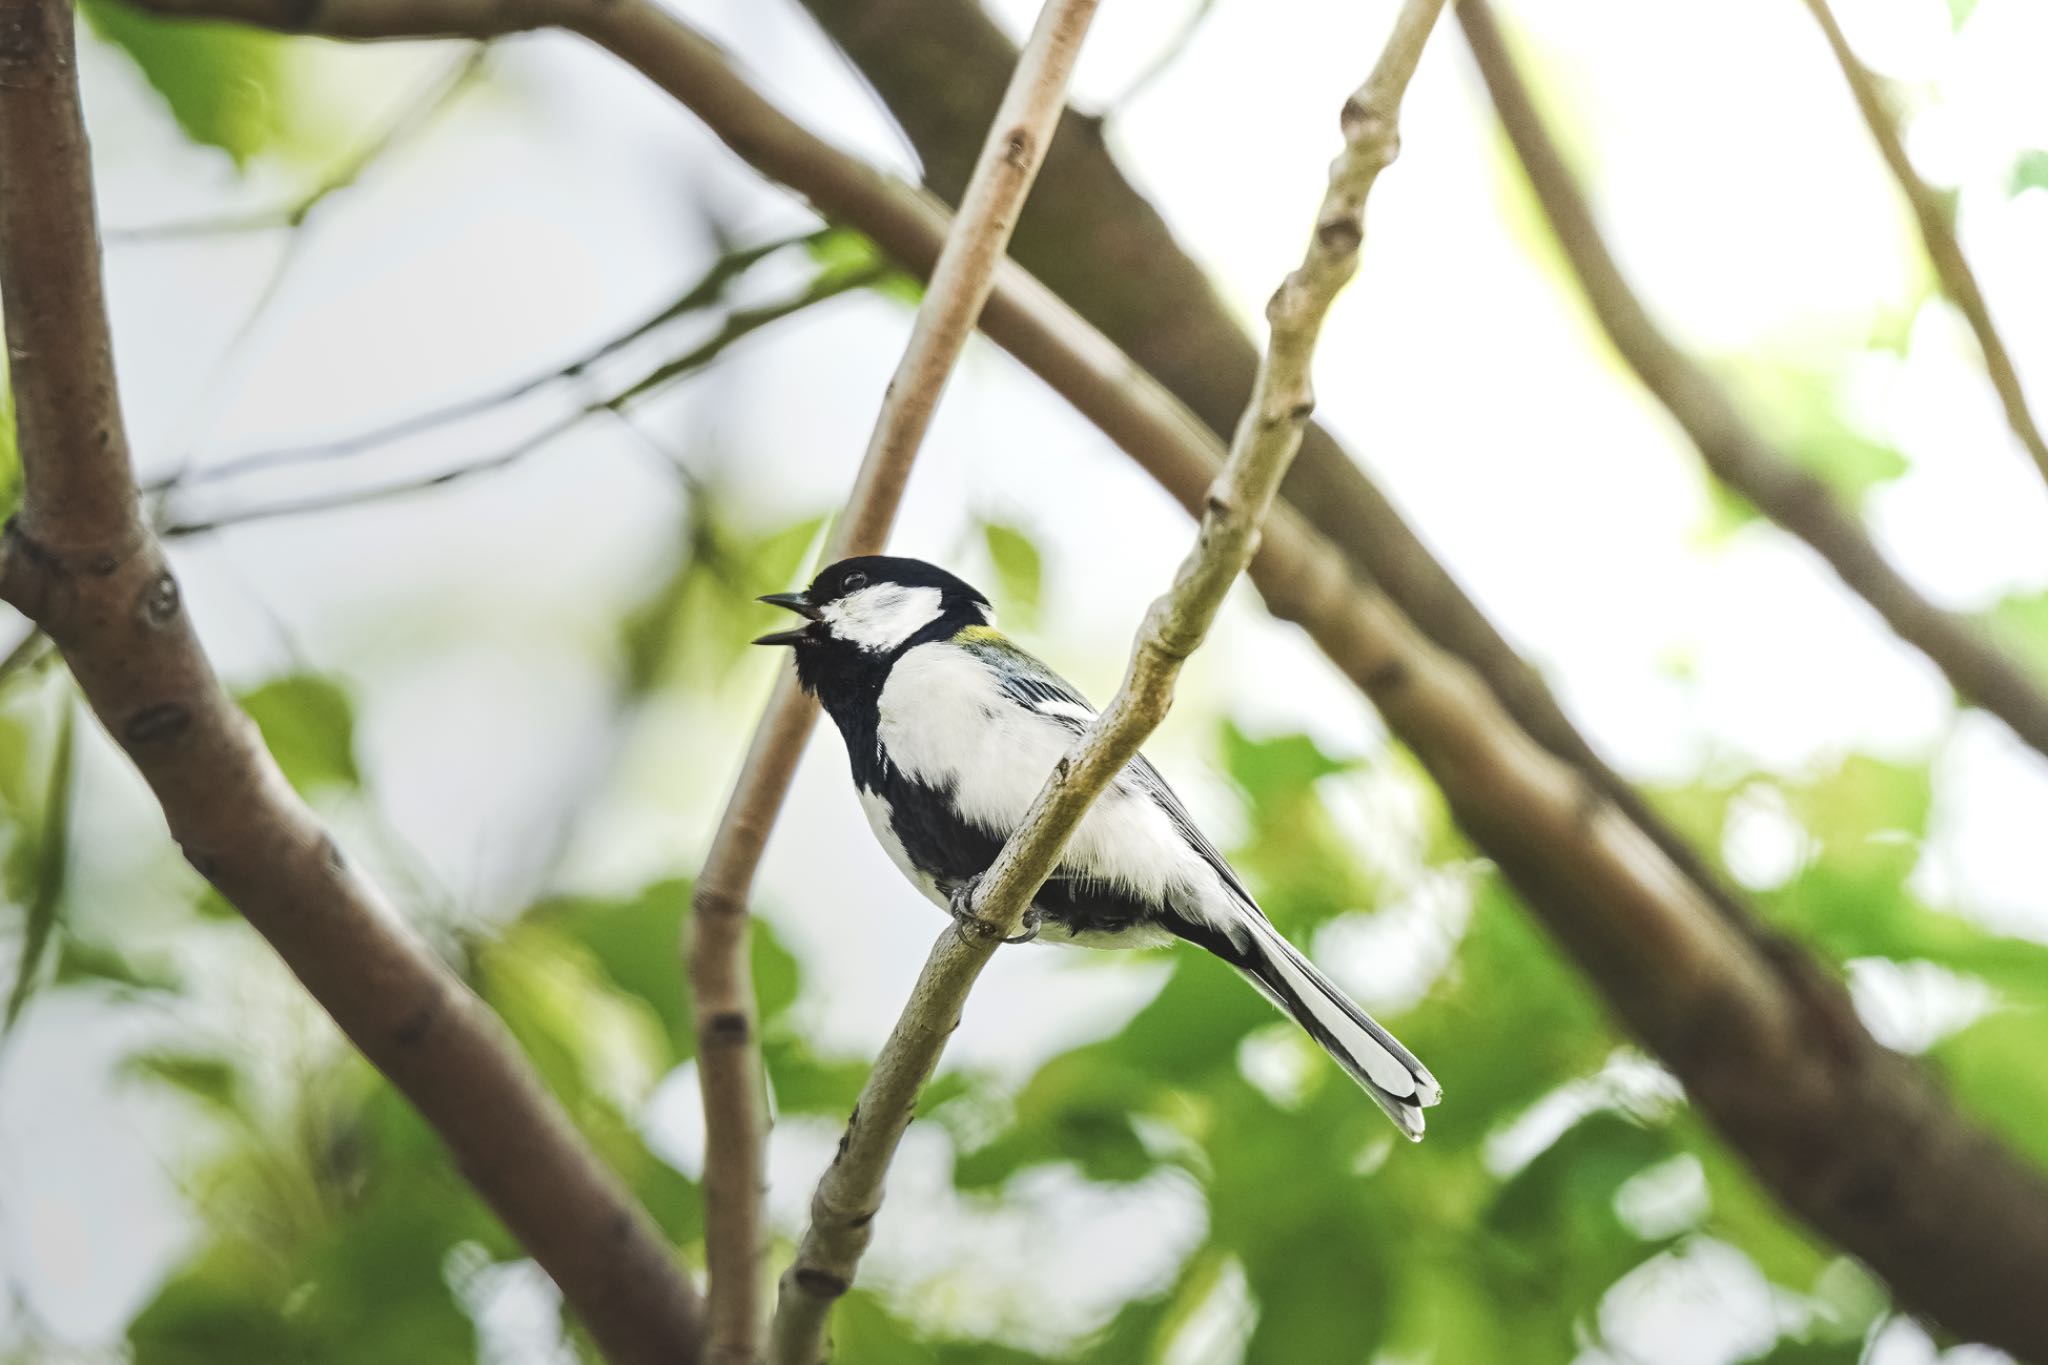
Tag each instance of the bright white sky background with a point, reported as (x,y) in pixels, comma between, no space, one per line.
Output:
(563,200)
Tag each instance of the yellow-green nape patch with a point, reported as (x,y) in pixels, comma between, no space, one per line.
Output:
(980,634)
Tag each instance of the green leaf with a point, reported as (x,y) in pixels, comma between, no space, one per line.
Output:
(1869,816)
(843,254)
(1994,1068)
(1557,1214)
(1800,412)
(79,962)
(693,627)
(638,943)
(2020,623)
(1959,12)
(308,723)
(208,1312)
(10,455)
(1281,769)
(1303,867)
(48,865)
(1811,1351)
(1020,572)
(2029,172)
(206,1077)
(1509,1024)
(227,86)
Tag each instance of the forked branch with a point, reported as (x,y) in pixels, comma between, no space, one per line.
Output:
(849,1196)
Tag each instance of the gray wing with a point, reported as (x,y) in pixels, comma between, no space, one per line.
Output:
(1031,684)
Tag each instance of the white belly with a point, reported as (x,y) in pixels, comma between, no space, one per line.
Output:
(945,722)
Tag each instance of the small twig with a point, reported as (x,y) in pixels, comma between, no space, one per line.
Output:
(1737,453)
(1934,213)
(739,324)
(706,290)
(1268,435)
(721,977)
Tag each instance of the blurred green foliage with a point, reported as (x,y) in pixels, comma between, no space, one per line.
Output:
(1802,414)
(2029,172)
(336,1230)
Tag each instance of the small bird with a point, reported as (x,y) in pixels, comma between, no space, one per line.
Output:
(952,729)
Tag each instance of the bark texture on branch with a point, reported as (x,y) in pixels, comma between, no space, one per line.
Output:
(847,1199)
(79,562)
(729,1054)
(1854,1140)
(1935,216)
(1734,450)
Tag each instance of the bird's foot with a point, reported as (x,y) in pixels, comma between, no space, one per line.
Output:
(961,907)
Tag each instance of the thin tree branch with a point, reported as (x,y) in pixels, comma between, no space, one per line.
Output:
(79,562)
(739,324)
(1853,1139)
(847,1199)
(1936,217)
(722,988)
(703,292)
(1733,449)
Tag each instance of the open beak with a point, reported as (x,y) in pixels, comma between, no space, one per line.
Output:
(801,605)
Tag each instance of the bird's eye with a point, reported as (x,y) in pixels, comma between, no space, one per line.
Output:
(854,582)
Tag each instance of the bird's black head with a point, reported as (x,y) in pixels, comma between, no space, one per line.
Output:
(863,612)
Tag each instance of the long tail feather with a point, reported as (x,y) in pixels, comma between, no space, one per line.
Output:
(1369,1054)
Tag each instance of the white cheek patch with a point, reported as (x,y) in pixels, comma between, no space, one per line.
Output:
(882,617)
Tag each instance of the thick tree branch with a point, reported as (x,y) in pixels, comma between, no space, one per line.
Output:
(1936,217)
(1853,1139)
(729,1061)
(79,562)
(1733,449)
(848,1197)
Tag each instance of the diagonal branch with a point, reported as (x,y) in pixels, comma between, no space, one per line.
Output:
(729,1061)
(1936,217)
(80,563)
(1733,449)
(847,1199)
(1854,1140)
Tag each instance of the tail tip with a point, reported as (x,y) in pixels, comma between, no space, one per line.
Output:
(1427,1091)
